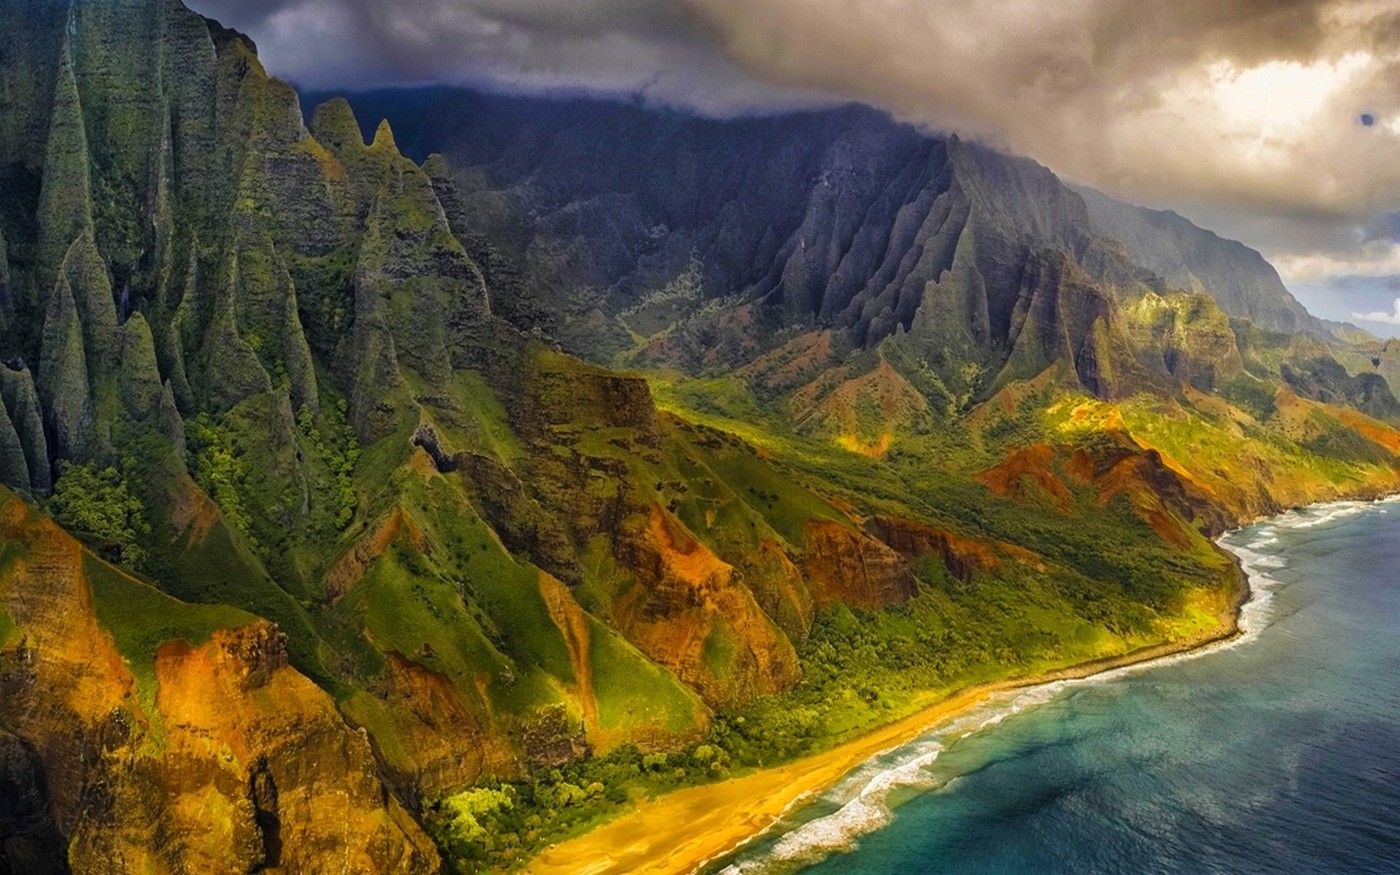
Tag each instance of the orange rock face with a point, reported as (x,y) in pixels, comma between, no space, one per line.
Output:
(848,567)
(1028,473)
(963,557)
(689,612)
(227,760)
(353,565)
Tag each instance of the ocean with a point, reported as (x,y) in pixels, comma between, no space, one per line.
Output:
(1276,752)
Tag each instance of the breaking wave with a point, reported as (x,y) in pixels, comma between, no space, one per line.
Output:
(865,800)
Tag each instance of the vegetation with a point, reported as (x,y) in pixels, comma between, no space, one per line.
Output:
(335,443)
(217,466)
(290,377)
(98,504)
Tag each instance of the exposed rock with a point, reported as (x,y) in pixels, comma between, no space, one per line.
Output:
(689,613)
(844,566)
(1196,342)
(22,403)
(1028,474)
(241,734)
(964,557)
(522,523)
(351,567)
(575,395)
(30,843)
(442,744)
(1062,316)
(63,384)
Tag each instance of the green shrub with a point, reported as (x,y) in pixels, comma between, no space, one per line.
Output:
(218,468)
(98,504)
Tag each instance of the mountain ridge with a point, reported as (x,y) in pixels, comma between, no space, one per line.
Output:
(890,419)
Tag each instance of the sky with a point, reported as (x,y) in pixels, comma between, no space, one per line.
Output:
(1275,122)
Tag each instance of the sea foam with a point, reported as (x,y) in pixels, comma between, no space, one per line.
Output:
(863,799)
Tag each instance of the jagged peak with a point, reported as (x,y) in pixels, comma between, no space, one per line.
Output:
(140,383)
(384,138)
(90,284)
(65,200)
(61,304)
(223,37)
(333,123)
(436,167)
(63,374)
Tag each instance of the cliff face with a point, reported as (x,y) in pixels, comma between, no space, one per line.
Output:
(170,758)
(841,218)
(385,540)
(1194,259)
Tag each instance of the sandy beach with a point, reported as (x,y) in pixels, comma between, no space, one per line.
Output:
(682,831)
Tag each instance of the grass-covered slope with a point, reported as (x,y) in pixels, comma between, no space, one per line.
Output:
(352,525)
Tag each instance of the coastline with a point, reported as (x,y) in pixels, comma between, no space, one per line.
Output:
(683,831)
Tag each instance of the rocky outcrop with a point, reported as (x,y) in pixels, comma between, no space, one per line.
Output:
(135,763)
(30,843)
(964,557)
(844,566)
(1191,335)
(300,787)
(688,612)
(570,395)
(351,567)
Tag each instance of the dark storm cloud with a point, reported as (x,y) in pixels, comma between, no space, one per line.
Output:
(611,46)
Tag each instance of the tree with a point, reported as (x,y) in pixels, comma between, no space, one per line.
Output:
(97,503)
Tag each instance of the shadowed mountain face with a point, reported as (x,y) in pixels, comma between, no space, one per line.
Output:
(1188,257)
(318,543)
(841,219)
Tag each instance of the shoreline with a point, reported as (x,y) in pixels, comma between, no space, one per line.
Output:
(683,831)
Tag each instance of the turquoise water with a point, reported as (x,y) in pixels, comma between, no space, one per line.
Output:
(1279,752)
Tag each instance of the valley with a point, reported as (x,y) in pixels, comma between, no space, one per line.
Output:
(425,478)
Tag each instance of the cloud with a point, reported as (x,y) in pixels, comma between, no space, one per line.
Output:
(1251,102)
(1391,318)
(1376,258)
(1246,111)
(654,48)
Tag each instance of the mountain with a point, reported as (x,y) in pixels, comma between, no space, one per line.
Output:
(1189,257)
(375,510)
(842,217)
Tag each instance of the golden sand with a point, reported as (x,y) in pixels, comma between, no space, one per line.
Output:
(681,831)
